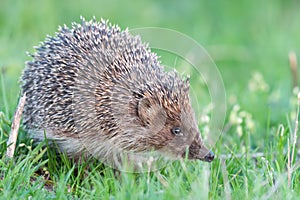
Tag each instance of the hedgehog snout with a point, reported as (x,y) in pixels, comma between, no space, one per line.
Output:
(197,150)
(209,156)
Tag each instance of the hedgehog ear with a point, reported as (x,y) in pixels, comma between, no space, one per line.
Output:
(150,112)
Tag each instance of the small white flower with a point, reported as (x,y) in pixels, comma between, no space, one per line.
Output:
(257,83)
(22,145)
(239,130)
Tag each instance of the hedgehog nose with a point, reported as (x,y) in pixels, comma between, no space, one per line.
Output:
(209,157)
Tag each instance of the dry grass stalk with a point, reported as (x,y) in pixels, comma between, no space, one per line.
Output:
(294,68)
(292,141)
(289,173)
(12,140)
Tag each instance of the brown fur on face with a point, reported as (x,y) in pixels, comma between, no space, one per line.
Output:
(189,142)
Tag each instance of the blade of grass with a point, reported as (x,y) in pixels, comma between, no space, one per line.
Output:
(4,96)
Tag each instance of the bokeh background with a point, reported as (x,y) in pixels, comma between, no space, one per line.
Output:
(248,40)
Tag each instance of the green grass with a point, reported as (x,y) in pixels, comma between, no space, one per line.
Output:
(249,42)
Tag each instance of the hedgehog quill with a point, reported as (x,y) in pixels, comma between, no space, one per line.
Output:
(94,89)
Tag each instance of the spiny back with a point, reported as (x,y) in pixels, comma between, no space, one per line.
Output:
(89,59)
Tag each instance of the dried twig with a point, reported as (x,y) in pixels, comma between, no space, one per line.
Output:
(294,138)
(289,173)
(12,140)
(292,141)
(294,68)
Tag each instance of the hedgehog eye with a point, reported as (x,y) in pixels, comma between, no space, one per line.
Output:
(176,131)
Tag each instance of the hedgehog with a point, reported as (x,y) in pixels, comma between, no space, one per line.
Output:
(97,90)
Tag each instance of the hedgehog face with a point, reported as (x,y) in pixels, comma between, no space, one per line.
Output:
(187,140)
(177,136)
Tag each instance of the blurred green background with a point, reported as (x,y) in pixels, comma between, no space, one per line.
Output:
(248,40)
